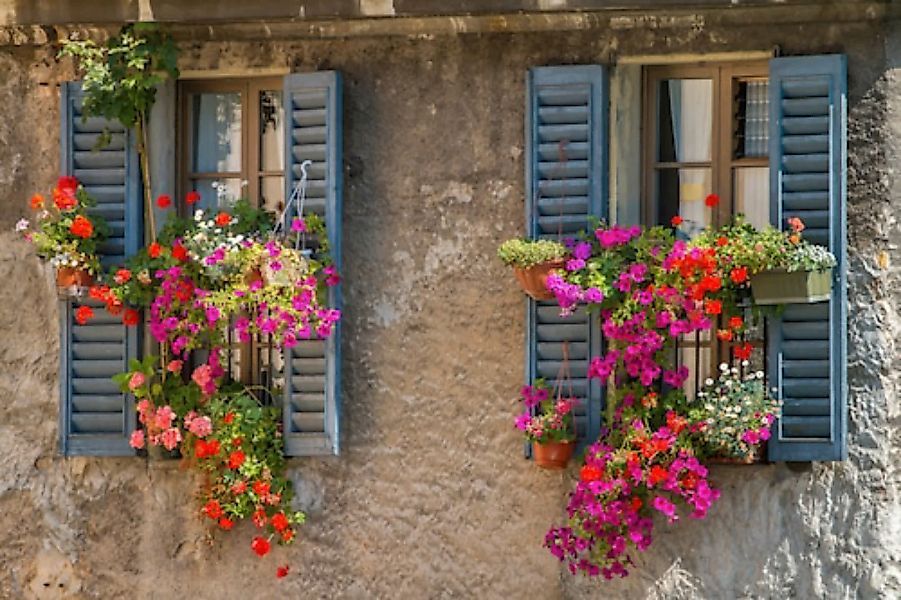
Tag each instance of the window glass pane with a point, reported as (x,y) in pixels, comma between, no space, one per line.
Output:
(752,194)
(752,120)
(682,192)
(685,120)
(218,193)
(698,361)
(216,132)
(272,143)
(272,193)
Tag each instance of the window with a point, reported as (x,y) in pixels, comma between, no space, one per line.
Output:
(233,134)
(706,132)
(231,147)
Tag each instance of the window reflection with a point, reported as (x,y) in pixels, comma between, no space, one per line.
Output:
(216,132)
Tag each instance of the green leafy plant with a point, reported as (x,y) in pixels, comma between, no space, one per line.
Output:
(525,253)
(120,79)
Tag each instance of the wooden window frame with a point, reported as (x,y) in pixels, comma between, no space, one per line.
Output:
(725,76)
(250,89)
(722,160)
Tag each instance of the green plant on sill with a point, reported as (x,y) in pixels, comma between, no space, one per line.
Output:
(120,79)
(525,253)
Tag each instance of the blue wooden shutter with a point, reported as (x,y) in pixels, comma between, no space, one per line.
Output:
(566,183)
(95,417)
(312,404)
(807,356)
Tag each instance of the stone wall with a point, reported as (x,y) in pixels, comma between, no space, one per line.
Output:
(431,496)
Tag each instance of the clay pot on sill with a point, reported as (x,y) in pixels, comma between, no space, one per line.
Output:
(756,457)
(533,280)
(552,455)
(69,280)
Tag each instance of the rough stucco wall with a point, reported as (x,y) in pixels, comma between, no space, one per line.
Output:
(430,497)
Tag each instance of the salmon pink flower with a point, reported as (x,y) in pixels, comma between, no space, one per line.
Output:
(137,380)
(37,202)
(136,440)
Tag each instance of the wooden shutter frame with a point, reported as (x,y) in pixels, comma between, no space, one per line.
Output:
(97,444)
(597,77)
(332,82)
(834,67)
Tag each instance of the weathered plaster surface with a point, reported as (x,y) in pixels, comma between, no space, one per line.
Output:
(431,497)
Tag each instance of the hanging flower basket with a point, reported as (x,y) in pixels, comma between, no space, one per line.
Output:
(553,455)
(796,287)
(533,280)
(68,278)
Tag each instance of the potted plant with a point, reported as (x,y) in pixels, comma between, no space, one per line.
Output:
(548,423)
(735,414)
(65,234)
(532,262)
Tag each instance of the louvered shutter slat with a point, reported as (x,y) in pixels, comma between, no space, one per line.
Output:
(807,347)
(312,368)
(565,186)
(95,417)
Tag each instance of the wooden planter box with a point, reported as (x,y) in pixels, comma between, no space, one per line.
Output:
(798,287)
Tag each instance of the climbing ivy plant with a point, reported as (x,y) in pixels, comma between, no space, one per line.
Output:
(120,79)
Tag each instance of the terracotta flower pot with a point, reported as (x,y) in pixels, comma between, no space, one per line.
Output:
(552,455)
(67,277)
(752,459)
(252,276)
(533,280)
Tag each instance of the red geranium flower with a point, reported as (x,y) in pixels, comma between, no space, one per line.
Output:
(712,200)
(84,314)
(223,219)
(590,473)
(239,488)
(164,201)
(179,252)
(261,488)
(228,418)
(743,352)
(287,535)
(259,518)
(260,545)
(657,475)
(192,198)
(37,201)
(226,523)
(82,227)
(739,275)
(722,241)
(724,335)
(154,250)
(235,459)
(636,503)
(282,571)
(122,276)
(212,509)
(676,221)
(713,307)
(131,317)
(280,522)
(67,185)
(736,322)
